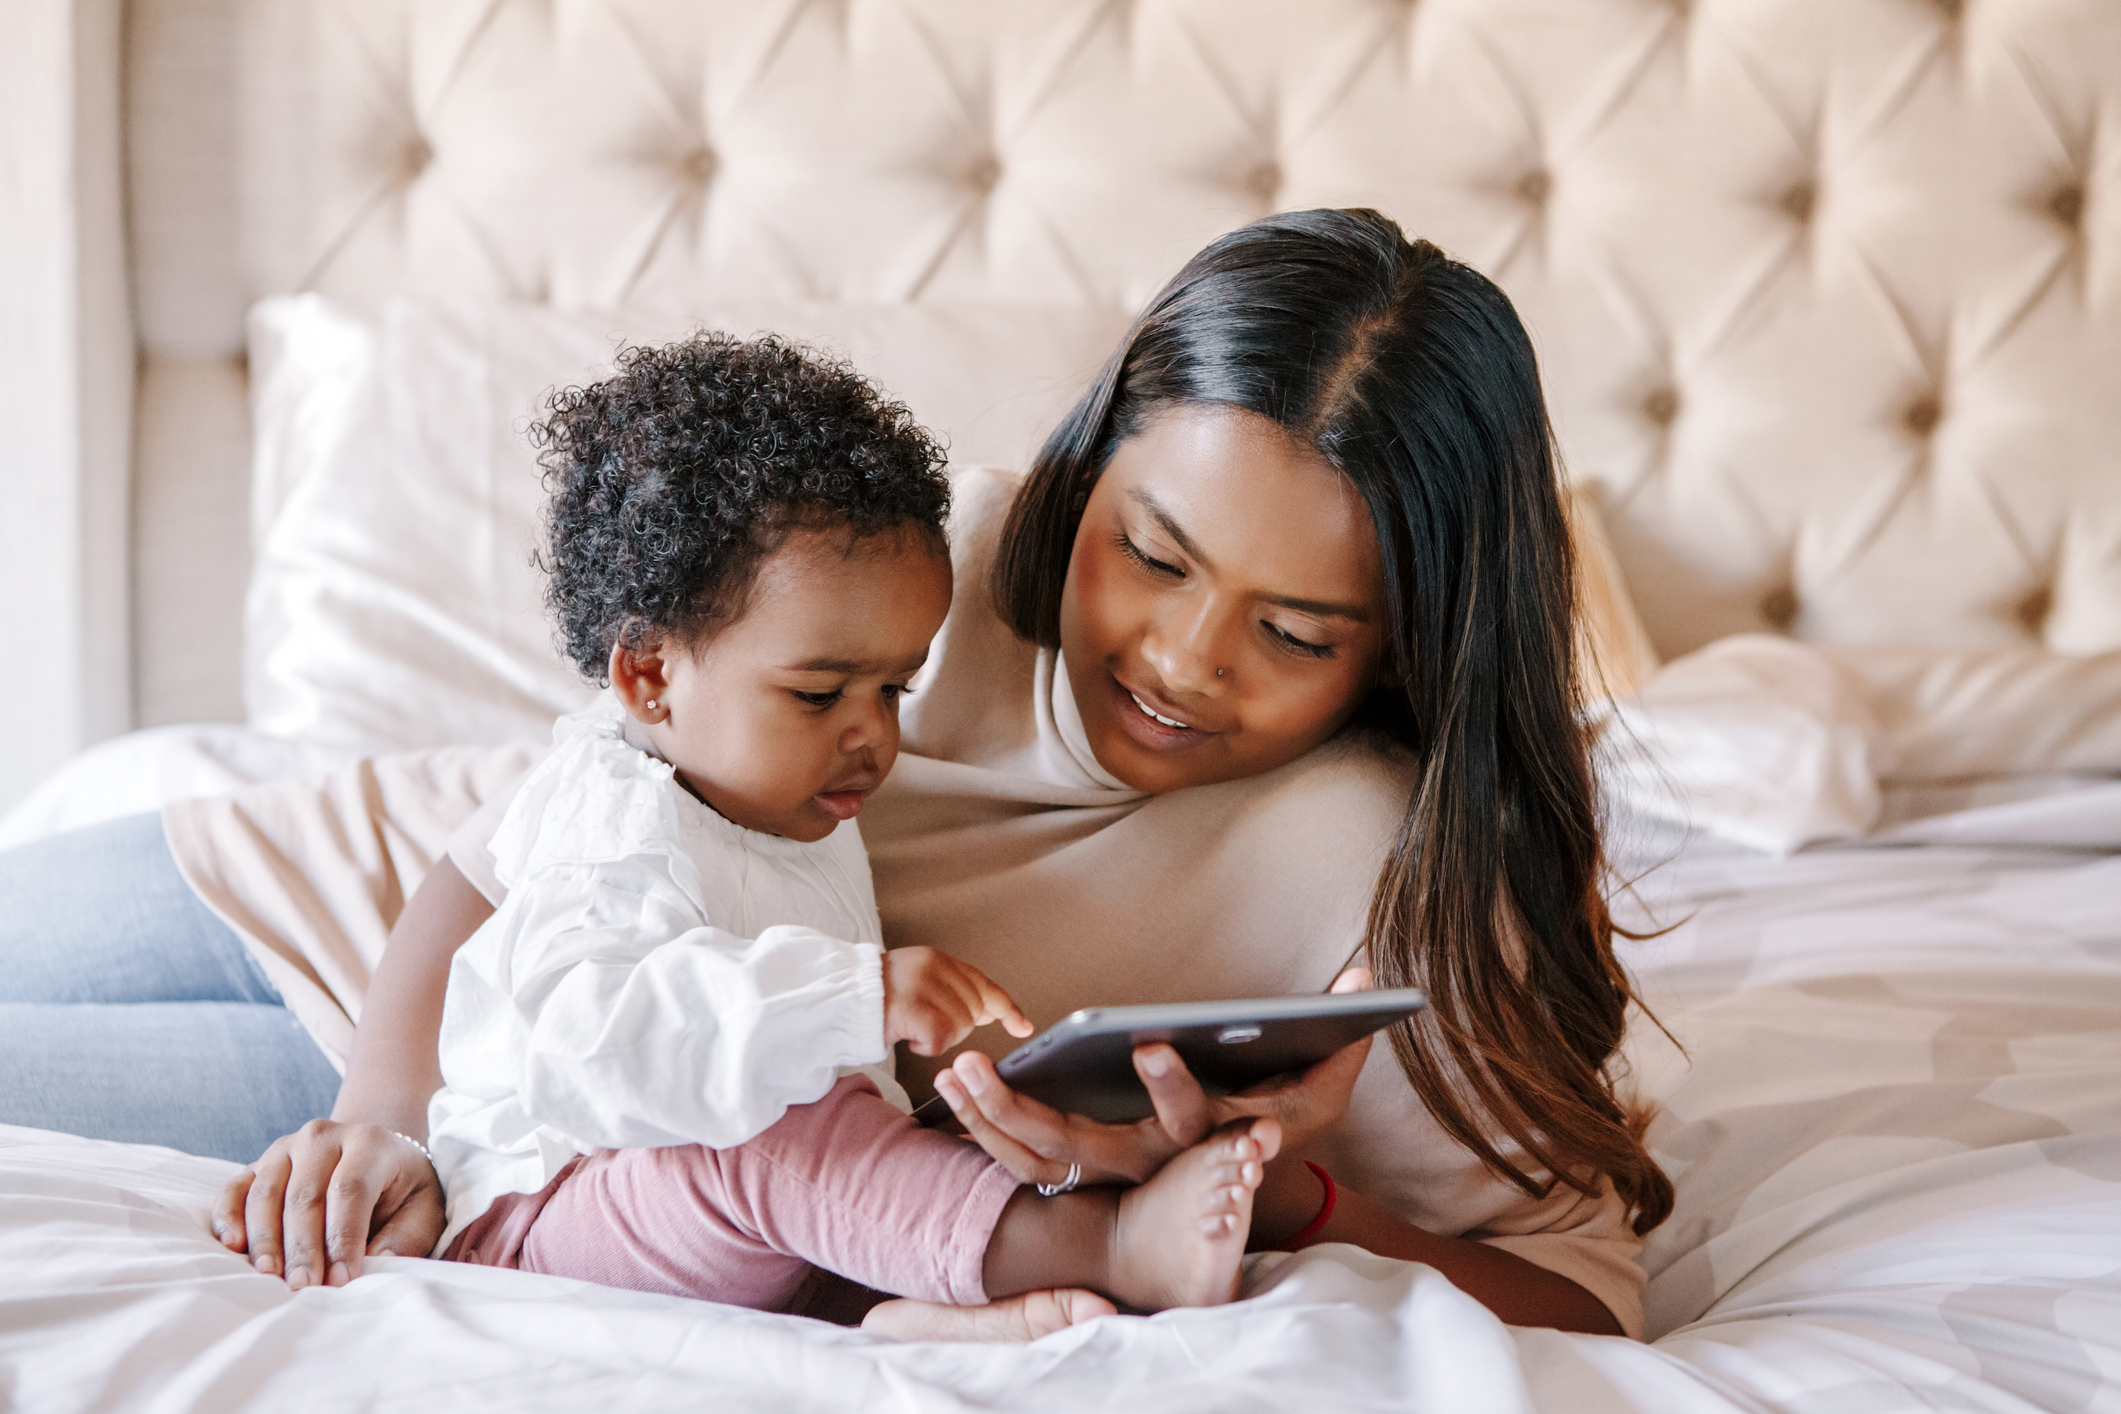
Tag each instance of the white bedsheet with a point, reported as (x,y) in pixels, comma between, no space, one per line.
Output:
(1897,1146)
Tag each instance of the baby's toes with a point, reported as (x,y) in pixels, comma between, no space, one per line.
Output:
(1223,1207)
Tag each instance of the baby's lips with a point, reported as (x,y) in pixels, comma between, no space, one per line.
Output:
(841,804)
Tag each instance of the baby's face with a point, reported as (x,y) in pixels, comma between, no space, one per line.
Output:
(785,720)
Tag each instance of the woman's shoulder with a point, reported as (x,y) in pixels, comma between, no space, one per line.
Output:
(1353,787)
(973,702)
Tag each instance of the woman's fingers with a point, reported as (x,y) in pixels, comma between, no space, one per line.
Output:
(228,1211)
(414,1226)
(1106,1152)
(261,1208)
(315,1158)
(1306,1103)
(1181,1105)
(321,1199)
(1028,1165)
(1355,979)
(350,1207)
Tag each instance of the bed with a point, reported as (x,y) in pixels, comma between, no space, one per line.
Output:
(1825,294)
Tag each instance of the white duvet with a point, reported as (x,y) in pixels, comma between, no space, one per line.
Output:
(1897,1143)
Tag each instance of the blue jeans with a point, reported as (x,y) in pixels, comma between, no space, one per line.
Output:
(128,1010)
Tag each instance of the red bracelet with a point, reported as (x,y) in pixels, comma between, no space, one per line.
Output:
(1317,1225)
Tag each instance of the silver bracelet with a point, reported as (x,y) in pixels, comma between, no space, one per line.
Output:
(1066,1185)
(417,1145)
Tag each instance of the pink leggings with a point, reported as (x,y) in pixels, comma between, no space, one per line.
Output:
(849,1183)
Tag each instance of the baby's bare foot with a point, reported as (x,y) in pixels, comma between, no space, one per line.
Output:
(1181,1235)
(1018,1319)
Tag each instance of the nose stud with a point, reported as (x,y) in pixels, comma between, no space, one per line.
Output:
(1218,672)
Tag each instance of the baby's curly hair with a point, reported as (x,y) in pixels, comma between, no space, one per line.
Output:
(672,480)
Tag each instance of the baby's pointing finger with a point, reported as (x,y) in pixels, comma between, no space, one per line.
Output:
(998,1005)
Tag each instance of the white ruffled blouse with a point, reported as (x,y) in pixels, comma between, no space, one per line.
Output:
(656,976)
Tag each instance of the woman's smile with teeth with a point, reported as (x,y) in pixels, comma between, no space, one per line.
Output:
(1167,721)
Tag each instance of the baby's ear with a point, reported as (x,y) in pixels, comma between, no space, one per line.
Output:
(640,675)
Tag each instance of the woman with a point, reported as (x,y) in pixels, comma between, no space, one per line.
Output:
(1277,670)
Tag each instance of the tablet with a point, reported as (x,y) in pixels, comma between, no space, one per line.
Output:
(1085,1063)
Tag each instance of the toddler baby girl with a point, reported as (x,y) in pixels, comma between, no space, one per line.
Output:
(667,1055)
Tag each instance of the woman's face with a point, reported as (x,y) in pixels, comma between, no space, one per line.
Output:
(1224,611)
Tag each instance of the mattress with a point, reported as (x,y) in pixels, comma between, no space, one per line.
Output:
(1890,1099)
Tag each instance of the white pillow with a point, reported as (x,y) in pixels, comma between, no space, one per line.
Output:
(1965,714)
(392,603)
(1755,739)
(1775,744)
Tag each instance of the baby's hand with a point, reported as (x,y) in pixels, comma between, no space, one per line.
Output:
(932,1001)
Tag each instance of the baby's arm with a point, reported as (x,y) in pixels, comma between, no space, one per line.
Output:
(607,1006)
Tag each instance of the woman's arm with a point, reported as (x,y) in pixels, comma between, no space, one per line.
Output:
(320,1199)
(1038,1144)
(1520,1293)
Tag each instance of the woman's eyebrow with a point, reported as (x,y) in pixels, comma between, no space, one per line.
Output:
(1154,509)
(1320,607)
(1151,507)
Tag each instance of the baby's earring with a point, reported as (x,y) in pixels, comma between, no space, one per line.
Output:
(651,704)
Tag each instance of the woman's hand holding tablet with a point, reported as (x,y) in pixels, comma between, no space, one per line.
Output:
(1038,1142)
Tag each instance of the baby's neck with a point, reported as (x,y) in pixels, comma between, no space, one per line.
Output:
(634,733)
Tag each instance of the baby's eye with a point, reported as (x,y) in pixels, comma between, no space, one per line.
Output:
(818,699)
(893,691)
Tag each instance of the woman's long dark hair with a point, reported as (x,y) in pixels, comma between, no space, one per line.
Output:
(1412,374)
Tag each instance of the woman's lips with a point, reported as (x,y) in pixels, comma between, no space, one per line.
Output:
(1149,726)
(1170,722)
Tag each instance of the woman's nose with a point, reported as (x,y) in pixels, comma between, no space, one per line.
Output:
(1181,647)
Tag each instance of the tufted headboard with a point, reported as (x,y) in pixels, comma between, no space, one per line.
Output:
(1827,292)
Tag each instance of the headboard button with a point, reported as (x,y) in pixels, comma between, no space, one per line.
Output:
(984,174)
(698,166)
(1661,406)
(1799,201)
(1779,608)
(1535,186)
(2068,205)
(1923,415)
(2034,609)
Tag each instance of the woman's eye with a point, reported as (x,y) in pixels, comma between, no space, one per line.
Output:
(819,699)
(1294,644)
(1135,553)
